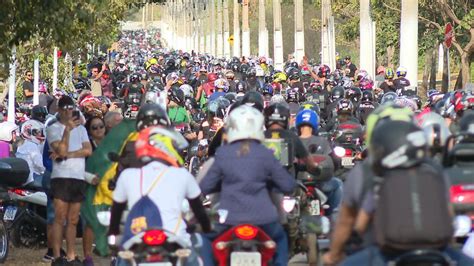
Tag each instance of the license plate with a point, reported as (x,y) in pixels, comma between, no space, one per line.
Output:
(156,264)
(347,161)
(314,209)
(10,213)
(245,259)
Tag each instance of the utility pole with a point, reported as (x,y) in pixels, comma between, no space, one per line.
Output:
(245,28)
(409,39)
(299,31)
(367,33)
(277,36)
(262,30)
(220,44)
(328,43)
(226,29)
(208,28)
(236,50)
(213,27)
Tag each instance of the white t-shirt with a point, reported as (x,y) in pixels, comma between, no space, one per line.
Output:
(175,186)
(72,167)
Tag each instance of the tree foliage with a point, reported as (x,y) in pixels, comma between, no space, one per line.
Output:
(39,25)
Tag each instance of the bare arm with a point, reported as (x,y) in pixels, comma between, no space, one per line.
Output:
(61,147)
(82,153)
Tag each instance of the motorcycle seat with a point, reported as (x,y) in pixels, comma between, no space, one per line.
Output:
(421,257)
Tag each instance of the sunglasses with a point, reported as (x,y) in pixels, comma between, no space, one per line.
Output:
(97,127)
(95,71)
(68,107)
(29,75)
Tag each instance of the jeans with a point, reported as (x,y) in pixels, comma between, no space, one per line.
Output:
(333,190)
(46,184)
(274,230)
(373,256)
(201,253)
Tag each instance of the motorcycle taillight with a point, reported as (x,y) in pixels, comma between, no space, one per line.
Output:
(348,152)
(20,192)
(154,258)
(134,108)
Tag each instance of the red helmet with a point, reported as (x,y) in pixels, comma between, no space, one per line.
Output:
(157,143)
(211,77)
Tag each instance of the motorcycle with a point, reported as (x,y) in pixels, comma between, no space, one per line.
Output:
(244,244)
(132,105)
(156,247)
(347,147)
(308,225)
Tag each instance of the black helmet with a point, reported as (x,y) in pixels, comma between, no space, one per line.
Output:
(388,97)
(354,94)
(277,114)
(170,63)
(397,144)
(244,68)
(466,124)
(151,114)
(292,95)
(344,106)
(134,78)
(337,93)
(254,99)
(367,96)
(176,95)
(294,64)
(251,72)
(39,113)
(218,107)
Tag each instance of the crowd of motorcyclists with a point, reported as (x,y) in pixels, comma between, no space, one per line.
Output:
(302,155)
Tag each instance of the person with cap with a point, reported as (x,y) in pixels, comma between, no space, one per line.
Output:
(350,67)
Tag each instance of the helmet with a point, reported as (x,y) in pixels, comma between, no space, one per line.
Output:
(337,93)
(277,114)
(387,111)
(244,68)
(188,91)
(151,114)
(8,128)
(307,117)
(354,94)
(251,72)
(39,113)
(156,143)
(33,130)
(176,95)
(229,74)
(134,78)
(406,102)
(388,97)
(222,84)
(294,65)
(293,74)
(240,87)
(267,89)
(277,98)
(279,77)
(245,122)
(292,95)
(211,77)
(170,63)
(367,96)
(362,74)
(218,107)
(435,128)
(253,99)
(397,144)
(344,106)
(401,71)
(324,71)
(389,73)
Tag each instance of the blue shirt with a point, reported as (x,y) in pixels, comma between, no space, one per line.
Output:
(244,181)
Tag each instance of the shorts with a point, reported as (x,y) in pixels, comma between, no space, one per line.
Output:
(68,189)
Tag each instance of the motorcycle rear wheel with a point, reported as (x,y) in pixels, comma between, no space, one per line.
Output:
(3,243)
(312,254)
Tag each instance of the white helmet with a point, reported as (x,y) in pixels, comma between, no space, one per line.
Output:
(435,128)
(6,131)
(401,71)
(187,90)
(245,122)
(33,130)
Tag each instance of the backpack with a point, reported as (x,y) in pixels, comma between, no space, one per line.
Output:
(144,214)
(412,209)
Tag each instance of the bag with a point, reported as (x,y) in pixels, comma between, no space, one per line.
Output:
(144,214)
(412,210)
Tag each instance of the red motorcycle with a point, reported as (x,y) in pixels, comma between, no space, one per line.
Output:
(244,244)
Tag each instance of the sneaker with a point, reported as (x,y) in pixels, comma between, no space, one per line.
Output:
(74,262)
(48,257)
(61,261)
(88,261)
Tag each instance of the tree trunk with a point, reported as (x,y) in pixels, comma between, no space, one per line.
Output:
(426,71)
(465,69)
(434,67)
(390,53)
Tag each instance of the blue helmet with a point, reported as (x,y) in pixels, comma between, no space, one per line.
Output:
(307,117)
